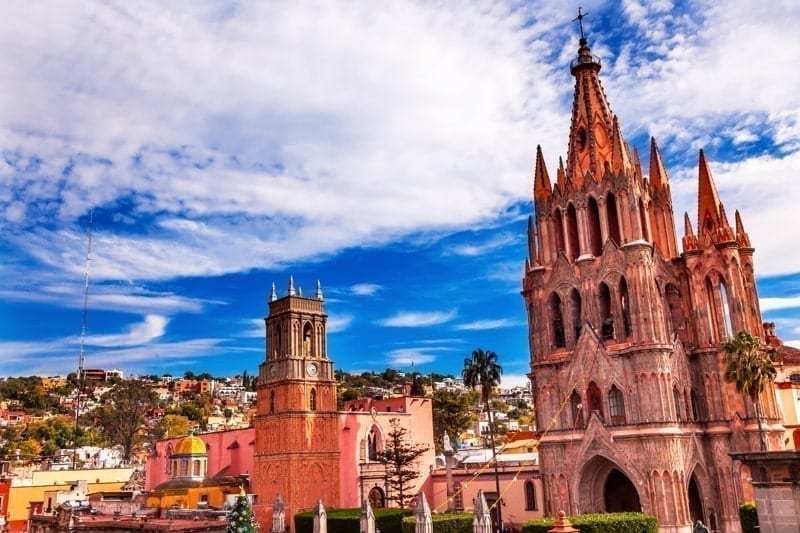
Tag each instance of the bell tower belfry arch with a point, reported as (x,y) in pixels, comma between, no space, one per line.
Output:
(297,446)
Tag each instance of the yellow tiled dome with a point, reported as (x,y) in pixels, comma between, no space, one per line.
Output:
(190,445)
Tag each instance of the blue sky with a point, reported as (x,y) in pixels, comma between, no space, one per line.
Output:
(383,148)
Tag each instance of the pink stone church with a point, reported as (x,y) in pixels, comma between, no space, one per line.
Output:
(625,331)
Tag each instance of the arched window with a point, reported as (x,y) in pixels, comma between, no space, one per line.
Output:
(595,399)
(643,221)
(530,496)
(616,405)
(676,396)
(312,400)
(373,443)
(604,304)
(575,312)
(726,311)
(672,297)
(307,333)
(613,220)
(577,409)
(556,320)
(277,338)
(595,238)
(695,406)
(572,233)
(625,304)
(196,467)
(559,232)
(272,401)
(713,312)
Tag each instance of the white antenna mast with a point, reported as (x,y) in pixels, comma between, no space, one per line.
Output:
(81,372)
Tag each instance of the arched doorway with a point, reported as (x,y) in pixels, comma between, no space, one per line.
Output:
(620,495)
(377,499)
(695,501)
(604,487)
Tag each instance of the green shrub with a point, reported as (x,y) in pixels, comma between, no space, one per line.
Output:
(600,523)
(748,517)
(443,523)
(347,520)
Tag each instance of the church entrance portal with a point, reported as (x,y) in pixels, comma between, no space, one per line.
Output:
(695,502)
(620,495)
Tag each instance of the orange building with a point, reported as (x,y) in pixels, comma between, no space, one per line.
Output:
(625,332)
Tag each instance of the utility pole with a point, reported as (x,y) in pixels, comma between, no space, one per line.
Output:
(81,371)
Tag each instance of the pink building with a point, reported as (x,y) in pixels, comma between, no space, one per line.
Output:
(230,453)
(362,429)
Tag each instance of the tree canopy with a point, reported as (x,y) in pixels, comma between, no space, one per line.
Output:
(750,369)
(121,416)
(400,457)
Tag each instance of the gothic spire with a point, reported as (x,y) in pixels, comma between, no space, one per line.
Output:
(658,174)
(591,128)
(291,286)
(620,161)
(741,234)
(541,180)
(274,294)
(708,202)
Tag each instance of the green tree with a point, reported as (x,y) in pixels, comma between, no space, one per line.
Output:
(451,413)
(121,416)
(750,368)
(482,371)
(400,457)
(241,519)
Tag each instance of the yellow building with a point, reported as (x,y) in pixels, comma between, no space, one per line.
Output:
(190,487)
(24,491)
(787,391)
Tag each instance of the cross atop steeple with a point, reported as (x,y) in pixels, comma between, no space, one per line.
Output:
(580,18)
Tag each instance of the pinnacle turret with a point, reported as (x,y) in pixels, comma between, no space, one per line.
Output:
(541,180)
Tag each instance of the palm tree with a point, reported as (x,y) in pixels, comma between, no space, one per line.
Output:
(750,368)
(482,371)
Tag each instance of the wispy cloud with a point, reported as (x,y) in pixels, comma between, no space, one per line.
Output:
(365,289)
(415,319)
(774,304)
(153,327)
(405,357)
(498,241)
(481,325)
(339,322)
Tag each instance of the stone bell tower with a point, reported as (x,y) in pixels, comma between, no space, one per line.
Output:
(297,447)
(625,331)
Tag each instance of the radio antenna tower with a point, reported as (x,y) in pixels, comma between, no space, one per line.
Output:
(81,371)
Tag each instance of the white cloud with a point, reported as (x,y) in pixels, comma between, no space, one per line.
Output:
(514,380)
(498,241)
(339,322)
(480,325)
(153,327)
(774,304)
(405,357)
(416,319)
(365,289)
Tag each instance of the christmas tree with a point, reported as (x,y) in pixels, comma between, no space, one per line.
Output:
(241,519)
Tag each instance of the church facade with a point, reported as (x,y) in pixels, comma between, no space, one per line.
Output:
(625,331)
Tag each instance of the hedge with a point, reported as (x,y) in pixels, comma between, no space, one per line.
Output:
(748,517)
(600,523)
(348,520)
(443,523)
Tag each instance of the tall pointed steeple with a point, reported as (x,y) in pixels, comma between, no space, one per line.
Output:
(708,202)
(541,180)
(591,128)
(658,174)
